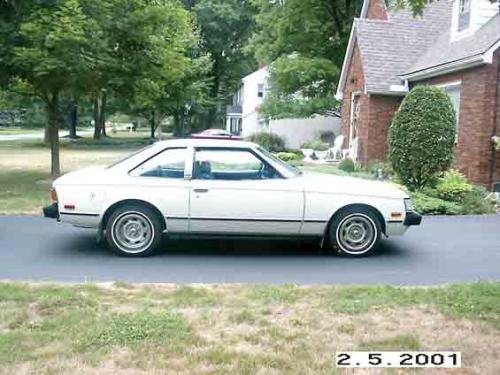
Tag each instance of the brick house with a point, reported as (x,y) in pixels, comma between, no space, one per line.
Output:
(454,45)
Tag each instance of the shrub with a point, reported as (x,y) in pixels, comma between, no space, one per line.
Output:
(453,186)
(422,136)
(477,201)
(316,145)
(374,167)
(434,206)
(347,165)
(270,141)
(288,156)
(327,136)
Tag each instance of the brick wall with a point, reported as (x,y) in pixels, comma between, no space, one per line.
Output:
(496,175)
(381,112)
(377,10)
(477,118)
(354,83)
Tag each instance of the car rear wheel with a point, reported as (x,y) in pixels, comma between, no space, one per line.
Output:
(355,232)
(133,230)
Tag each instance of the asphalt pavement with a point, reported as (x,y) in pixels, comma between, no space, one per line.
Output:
(441,250)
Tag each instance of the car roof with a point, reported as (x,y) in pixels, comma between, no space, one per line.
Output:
(204,142)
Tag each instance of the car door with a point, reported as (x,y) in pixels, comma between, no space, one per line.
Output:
(235,191)
(160,181)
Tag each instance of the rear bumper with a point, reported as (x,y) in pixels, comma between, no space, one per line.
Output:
(412,218)
(51,212)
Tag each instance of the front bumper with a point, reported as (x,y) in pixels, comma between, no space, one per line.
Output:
(412,218)
(52,211)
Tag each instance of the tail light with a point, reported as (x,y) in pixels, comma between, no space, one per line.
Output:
(53,195)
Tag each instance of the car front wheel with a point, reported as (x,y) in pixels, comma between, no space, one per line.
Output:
(355,232)
(133,230)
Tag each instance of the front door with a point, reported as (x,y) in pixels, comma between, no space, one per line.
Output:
(235,191)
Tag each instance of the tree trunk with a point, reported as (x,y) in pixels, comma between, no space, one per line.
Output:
(95,115)
(102,114)
(53,132)
(152,124)
(73,120)
(46,136)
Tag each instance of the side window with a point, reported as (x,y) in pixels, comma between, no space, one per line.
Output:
(230,164)
(167,164)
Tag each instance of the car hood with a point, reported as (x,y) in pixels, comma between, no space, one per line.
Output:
(327,183)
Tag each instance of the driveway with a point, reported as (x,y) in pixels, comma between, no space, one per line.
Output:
(441,250)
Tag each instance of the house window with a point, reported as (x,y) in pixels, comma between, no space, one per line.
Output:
(235,124)
(463,15)
(260,90)
(453,91)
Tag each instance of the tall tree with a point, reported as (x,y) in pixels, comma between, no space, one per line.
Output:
(304,43)
(46,55)
(225,27)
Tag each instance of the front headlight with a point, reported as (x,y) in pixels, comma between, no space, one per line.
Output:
(409,205)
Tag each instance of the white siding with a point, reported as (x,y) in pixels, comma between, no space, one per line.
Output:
(297,131)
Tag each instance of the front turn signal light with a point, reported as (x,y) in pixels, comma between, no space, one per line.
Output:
(53,195)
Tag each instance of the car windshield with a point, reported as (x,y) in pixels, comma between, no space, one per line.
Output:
(294,171)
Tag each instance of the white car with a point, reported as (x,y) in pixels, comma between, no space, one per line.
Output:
(231,188)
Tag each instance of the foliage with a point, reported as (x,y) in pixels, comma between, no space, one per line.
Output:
(288,156)
(316,145)
(478,201)
(428,205)
(496,142)
(347,165)
(461,198)
(422,136)
(385,168)
(278,106)
(304,44)
(453,186)
(225,27)
(300,87)
(270,141)
(327,136)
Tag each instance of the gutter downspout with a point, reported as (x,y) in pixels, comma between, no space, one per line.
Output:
(496,126)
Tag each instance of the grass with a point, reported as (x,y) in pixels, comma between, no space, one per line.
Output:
(19,131)
(237,329)
(333,169)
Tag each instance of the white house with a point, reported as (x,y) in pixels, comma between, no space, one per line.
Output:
(242,118)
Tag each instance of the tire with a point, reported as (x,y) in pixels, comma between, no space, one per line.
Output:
(133,230)
(355,232)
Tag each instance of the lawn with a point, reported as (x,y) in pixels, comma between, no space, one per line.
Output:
(19,131)
(236,329)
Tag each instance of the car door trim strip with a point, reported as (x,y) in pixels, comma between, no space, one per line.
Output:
(244,219)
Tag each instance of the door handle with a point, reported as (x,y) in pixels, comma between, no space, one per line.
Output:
(200,190)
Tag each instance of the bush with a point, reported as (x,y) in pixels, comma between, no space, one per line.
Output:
(477,201)
(347,165)
(422,136)
(316,145)
(374,167)
(327,136)
(270,141)
(453,186)
(288,156)
(428,205)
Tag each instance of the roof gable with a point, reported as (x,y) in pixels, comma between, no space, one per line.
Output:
(395,49)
